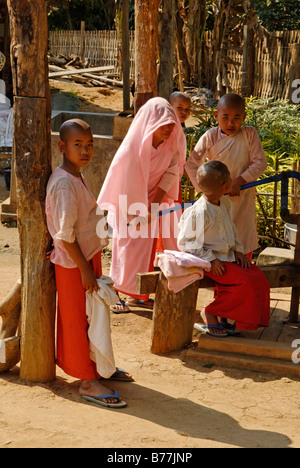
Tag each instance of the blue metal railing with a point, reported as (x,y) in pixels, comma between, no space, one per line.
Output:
(283,177)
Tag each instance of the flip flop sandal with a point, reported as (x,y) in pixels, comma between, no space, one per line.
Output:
(142,304)
(205,329)
(115,376)
(98,400)
(114,308)
(230,328)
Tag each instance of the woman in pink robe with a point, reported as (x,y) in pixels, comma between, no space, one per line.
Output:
(144,173)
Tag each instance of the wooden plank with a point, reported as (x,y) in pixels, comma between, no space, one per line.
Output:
(80,71)
(282,276)
(10,309)
(12,353)
(146,283)
(279,276)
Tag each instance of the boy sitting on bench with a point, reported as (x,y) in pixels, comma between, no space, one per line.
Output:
(208,231)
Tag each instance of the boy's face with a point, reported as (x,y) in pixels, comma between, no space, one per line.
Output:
(230,120)
(78,149)
(182,109)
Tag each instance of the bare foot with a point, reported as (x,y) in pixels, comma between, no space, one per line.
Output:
(93,388)
(120,307)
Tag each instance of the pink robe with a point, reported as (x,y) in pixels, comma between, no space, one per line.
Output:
(136,173)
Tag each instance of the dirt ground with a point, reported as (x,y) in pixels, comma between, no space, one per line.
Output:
(173,403)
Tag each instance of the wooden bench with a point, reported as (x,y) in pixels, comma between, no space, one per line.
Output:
(173,314)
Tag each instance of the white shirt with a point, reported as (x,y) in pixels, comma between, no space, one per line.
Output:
(208,231)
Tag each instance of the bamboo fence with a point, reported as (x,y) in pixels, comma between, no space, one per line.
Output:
(101,48)
(277,57)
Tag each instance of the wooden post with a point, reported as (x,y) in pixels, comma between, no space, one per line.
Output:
(82,41)
(294,309)
(146,14)
(125,55)
(31,148)
(173,317)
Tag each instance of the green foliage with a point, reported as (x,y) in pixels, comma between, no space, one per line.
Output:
(97,14)
(279,15)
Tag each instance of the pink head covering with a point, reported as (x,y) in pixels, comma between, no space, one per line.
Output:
(129,172)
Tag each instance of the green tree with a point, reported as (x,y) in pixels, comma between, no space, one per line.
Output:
(279,15)
(67,14)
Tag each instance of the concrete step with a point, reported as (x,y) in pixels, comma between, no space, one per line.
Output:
(246,346)
(244,353)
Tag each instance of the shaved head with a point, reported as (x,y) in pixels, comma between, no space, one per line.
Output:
(71,126)
(178,95)
(212,174)
(231,101)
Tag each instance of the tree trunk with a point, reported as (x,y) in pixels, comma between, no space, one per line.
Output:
(183,67)
(248,55)
(31,148)
(125,55)
(167,48)
(146,15)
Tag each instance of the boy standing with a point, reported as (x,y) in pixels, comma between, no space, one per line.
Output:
(72,221)
(241,150)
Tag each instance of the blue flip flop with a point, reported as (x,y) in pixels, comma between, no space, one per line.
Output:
(98,400)
(205,329)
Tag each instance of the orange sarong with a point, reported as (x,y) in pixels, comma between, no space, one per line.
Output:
(73,355)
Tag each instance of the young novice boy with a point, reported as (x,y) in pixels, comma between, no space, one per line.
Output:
(208,231)
(181,102)
(72,220)
(241,150)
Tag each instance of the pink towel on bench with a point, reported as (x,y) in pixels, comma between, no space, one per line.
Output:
(181,268)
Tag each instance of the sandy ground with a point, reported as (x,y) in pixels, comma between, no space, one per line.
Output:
(172,403)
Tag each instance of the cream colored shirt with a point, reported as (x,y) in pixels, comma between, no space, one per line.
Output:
(71,211)
(208,231)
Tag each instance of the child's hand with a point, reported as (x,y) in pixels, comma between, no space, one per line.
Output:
(242,260)
(89,280)
(235,190)
(48,254)
(217,267)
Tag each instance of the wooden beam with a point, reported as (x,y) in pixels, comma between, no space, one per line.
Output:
(81,71)
(10,309)
(12,353)
(279,276)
